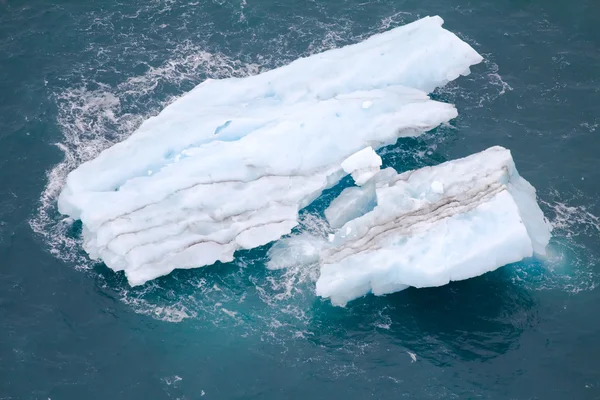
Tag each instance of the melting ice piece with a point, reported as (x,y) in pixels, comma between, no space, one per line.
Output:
(362,165)
(434,225)
(356,201)
(296,251)
(234,160)
(351,203)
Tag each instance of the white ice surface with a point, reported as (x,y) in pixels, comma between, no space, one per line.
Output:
(228,165)
(362,165)
(434,225)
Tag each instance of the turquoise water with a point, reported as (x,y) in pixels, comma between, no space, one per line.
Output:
(76,77)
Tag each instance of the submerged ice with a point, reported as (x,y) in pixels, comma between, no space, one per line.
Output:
(428,227)
(228,165)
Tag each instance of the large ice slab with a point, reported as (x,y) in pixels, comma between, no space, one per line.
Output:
(453,221)
(229,164)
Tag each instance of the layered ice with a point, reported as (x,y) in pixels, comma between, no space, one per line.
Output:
(228,165)
(430,226)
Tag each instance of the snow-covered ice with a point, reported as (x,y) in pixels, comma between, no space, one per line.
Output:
(228,165)
(427,227)
(362,165)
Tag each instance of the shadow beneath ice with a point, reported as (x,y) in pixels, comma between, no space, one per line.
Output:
(472,320)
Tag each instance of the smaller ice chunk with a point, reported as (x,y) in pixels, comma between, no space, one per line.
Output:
(365,158)
(450,222)
(301,250)
(351,203)
(362,165)
(356,201)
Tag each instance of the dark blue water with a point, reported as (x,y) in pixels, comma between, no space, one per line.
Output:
(77,76)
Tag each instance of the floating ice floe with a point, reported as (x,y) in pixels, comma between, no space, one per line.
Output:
(427,227)
(228,165)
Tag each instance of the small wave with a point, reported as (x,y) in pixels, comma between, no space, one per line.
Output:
(572,255)
(172,380)
(479,89)
(572,221)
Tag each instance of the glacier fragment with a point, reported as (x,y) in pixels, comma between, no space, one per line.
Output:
(453,221)
(362,165)
(228,165)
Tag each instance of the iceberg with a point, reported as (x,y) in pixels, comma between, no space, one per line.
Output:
(228,165)
(427,227)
